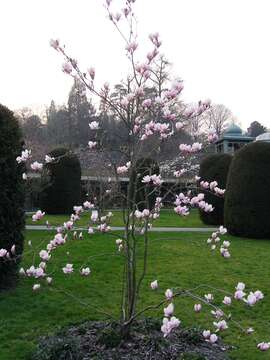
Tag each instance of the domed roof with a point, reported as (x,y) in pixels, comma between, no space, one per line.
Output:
(264,137)
(233,129)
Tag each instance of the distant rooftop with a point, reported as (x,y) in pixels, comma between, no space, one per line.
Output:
(263,137)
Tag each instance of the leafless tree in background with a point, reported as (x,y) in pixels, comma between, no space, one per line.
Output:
(218,118)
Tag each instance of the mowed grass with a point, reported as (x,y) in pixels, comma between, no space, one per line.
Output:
(175,260)
(168,218)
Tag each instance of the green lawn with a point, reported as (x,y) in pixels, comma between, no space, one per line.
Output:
(168,218)
(175,259)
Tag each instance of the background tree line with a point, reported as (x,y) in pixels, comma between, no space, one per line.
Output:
(68,126)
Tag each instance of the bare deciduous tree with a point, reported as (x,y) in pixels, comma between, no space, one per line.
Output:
(218,118)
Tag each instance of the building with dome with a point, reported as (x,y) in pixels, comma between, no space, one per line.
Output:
(232,140)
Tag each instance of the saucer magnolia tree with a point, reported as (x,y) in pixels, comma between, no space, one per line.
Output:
(152,113)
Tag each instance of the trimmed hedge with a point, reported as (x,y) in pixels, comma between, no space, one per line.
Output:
(215,168)
(247,202)
(143,195)
(11,195)
(62,187)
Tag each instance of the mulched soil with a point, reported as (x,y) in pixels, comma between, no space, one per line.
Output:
(101,341)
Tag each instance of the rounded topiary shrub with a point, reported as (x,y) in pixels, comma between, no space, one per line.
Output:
(215,168)
(11,196)
(247,209)
(61,188)
(142,195)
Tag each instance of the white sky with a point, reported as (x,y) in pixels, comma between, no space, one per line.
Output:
(220,48)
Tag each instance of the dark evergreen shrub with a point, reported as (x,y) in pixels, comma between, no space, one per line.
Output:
(61,188)
(247,209)
(11,195)
(215,168)
(143,195)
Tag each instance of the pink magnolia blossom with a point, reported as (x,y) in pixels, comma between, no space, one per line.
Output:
(155,179)
(169,294)
(206,334)
(78,209)
(226,244)
(138,214)
(179,125)
(221,325)
(259,295)
(68,269)
(179,173)
(67,68)
(38,215)
(44,255)
(251,299)
(227,300)
(154,285)
(74,217)
(49,280)
(122,169)
(168,311)
(169,324)
(147,103)
(204,184)
(131,47)
(213,338)
(94,125)
(25,155)
(217,313)
(263,346)
(239,294)
(126,11)
(49,159)
(3,253)
(212,136)
(36,287)
(55,43)
(225,253)
(103,228)
(42,265)
(94,216)
(90,230)
(85,271)
(88,205)
(92,73)
(13,249)
(118,242)
(197,307)
(240,286)
(155,39)
(145,213)
(36,166)
(39,272)
(212,185)
(151,55)
(22,271)
(209,297)
(24,176)
(68,225)
(181,210)
(92,144)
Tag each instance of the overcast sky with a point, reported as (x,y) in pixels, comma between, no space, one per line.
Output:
(220,48)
